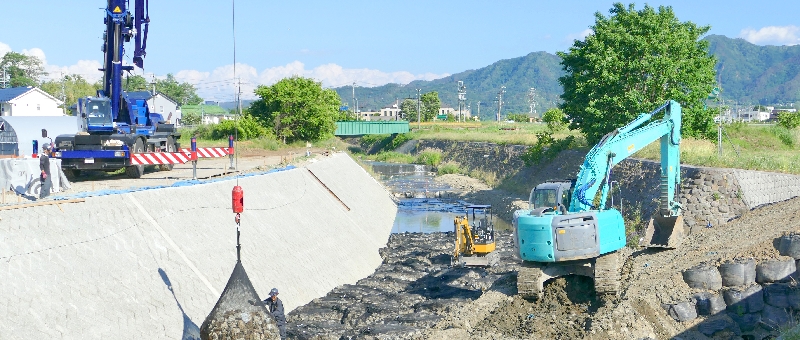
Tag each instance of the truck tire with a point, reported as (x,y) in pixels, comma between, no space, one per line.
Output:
(72,174)
(170,148)
(136,171)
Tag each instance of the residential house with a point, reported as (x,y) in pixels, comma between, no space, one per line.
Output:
(446,110)
(390,112)
(28,101)
(209,114)
(760,114)
(166,106)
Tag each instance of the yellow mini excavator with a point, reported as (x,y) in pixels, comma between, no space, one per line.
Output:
(475,242)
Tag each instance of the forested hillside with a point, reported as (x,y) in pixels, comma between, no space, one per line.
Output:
(749,74)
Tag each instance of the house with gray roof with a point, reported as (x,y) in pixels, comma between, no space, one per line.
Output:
(28,101)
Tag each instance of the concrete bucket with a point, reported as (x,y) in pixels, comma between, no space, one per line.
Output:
(664,232)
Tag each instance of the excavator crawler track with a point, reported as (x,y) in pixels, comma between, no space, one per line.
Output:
(607,274)
(528,281)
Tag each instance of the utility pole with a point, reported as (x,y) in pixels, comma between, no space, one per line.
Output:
(419,114)
(154,84)
(479,109)
(355,104)
(500,101)
(462,97)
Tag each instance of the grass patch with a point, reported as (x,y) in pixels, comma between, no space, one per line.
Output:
(501,133)
(447,168)
(760,147)
(429,157)
(391,157)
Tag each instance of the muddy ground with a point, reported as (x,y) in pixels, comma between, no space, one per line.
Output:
(415,294)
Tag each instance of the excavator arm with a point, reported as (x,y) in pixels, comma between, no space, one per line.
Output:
(619,145)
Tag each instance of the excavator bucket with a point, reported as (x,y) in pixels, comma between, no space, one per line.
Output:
(664,232)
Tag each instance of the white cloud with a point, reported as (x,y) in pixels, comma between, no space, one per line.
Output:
(219,84)
(579,36)
(4,49)
(772,35)
(85,68)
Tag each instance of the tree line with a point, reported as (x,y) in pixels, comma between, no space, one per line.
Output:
(25,70)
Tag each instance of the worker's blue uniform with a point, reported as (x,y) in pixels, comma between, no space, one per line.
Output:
(276,309)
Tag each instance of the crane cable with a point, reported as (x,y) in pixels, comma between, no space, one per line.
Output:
(237,95)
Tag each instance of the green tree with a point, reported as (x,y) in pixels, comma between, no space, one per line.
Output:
(73,86)
(190,118)
(789,120)
(297,108)
(430,105)
(408,109)
(135,83)
(183,93)
(23,70)
(555,119)
(518,117)
(634,62)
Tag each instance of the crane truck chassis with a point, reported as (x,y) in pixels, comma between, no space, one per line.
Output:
(568,230)
(118,125)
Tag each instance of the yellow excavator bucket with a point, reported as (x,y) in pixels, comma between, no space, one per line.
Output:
(664,232)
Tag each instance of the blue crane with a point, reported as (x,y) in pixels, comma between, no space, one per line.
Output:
(568,229)
(118,123)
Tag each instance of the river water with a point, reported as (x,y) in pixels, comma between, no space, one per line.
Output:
(424,206)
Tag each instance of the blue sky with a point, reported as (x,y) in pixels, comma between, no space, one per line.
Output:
(339,42)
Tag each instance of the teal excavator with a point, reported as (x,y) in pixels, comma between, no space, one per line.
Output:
(569,230)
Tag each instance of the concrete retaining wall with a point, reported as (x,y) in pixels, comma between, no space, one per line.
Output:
(152,264)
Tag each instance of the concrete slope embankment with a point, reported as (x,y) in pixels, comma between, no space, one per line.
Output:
(152,264)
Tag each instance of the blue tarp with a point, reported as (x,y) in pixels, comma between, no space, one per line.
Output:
(176,184)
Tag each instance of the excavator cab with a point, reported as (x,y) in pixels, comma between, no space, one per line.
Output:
(474,238)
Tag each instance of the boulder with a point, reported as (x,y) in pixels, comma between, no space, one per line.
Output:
(782,295)
(773,317)
(743,300)
(779,270)
(703,276)
(718,323)
(682,311)
(708,303)
(739,272)
(746,321)
(790,245)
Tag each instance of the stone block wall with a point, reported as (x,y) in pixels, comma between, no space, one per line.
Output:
(743,296)
(500,159)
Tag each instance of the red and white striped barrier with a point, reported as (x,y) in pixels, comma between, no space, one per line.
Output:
(210,152)
(149,158)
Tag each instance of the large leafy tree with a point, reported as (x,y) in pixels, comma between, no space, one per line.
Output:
(183,93)
(634,62)
(408,108)
(297,108)
(430,105)
(70,88)
(136,83)
(23,70)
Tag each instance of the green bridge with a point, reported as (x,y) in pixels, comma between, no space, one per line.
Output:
(359,128)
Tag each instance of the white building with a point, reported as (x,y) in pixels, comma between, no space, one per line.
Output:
(28,102)
(166,106)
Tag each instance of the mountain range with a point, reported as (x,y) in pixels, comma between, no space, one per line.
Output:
(748,74)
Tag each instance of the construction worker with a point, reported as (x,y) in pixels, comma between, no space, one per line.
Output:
(276,309)
(44,166)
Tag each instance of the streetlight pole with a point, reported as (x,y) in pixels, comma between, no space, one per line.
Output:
(419,114)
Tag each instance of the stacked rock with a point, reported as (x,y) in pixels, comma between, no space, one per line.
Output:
(751,294)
